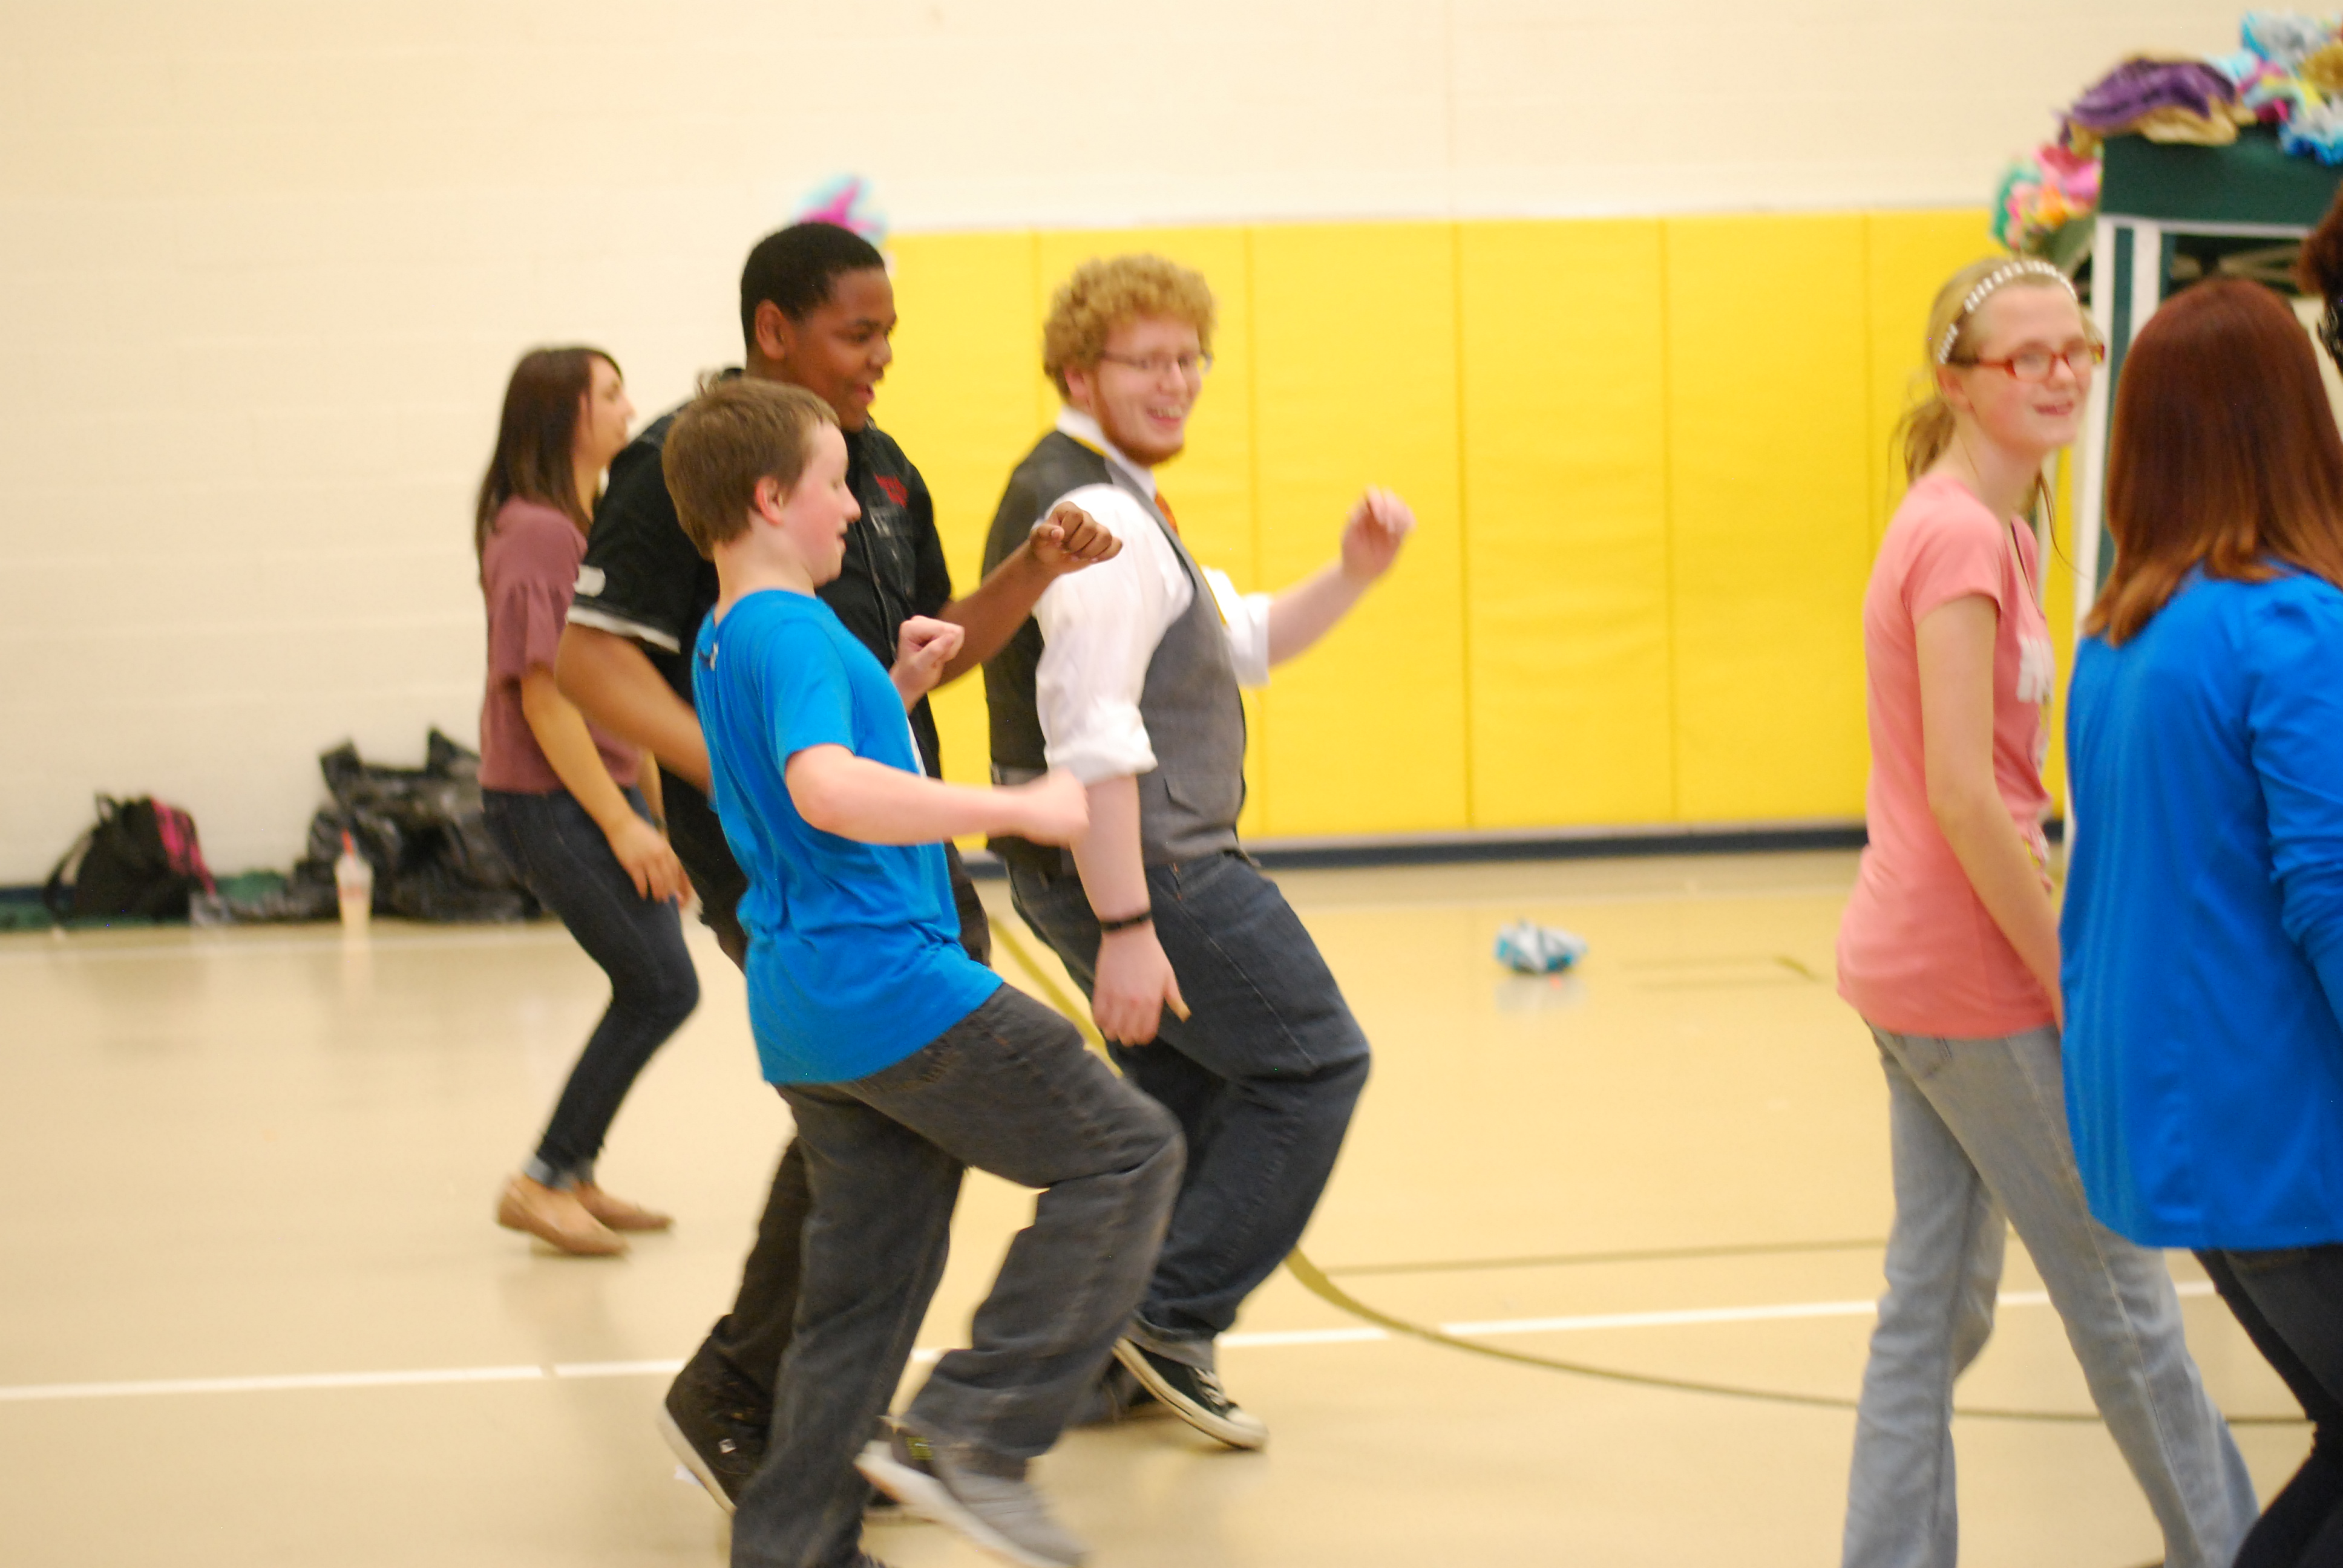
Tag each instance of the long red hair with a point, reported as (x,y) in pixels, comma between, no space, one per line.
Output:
(2225,455)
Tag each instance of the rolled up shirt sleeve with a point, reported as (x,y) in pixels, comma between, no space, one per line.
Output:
(1100,627)
(2295,723)
(1246,614)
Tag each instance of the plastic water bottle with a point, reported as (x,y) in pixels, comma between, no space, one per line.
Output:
(354,883)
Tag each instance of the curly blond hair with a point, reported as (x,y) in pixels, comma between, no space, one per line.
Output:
(1107,291)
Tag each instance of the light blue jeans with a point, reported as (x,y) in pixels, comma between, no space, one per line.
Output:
(1978,1131)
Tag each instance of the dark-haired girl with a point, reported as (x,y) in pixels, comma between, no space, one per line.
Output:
(562,796)
(1949,950)
(2204,920)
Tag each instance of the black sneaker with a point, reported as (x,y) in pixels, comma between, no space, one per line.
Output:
(1194,1394)
(1117,1396)
(716,1421)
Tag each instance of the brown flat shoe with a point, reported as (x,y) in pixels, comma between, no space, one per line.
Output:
(556,1217)
(616,1212)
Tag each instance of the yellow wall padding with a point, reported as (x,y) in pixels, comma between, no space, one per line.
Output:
(1770,535)
(2058,587)
(1910,256)
(960,400)
(1354,383)
(1564,365)
(1649,457)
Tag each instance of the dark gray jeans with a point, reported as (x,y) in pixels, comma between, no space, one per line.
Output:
(752,1336)
(1009,1090)
(2290,1304)
(1264,1075)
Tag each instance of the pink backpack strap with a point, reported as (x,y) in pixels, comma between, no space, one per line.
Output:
(181,845)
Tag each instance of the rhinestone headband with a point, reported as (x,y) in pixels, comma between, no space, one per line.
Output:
(1984,290)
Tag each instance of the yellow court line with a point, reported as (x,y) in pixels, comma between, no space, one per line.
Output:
(1452,1336)
(1377,1325)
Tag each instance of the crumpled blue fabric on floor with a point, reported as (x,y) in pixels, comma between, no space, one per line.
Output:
(1536,949)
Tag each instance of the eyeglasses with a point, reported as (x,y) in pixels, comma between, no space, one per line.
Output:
(1155,367)
(2036,363)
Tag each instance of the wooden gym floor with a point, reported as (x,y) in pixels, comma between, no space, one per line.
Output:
(253,1311)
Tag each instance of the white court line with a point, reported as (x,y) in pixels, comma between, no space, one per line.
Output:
(1788,1312)
(617,1369)
(1661,1320)
(271,1384)
(1730,1315)
(30,947)
(1358,1336)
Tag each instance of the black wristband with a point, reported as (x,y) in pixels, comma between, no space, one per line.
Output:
(1127,922)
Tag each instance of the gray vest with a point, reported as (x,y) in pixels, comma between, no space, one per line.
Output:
(1195,720)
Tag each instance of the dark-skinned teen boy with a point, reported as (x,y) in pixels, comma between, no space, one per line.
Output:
(817,311)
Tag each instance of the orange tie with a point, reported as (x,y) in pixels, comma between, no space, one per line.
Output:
(1163,505)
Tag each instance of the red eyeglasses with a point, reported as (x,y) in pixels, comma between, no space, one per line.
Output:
(2036,363)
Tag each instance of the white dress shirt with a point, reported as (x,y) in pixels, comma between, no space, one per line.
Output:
(1100,626)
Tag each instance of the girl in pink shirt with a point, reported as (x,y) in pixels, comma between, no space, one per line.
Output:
(1949,950)
(561,798)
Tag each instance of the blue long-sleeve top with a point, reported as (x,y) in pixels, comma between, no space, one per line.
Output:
(2203,932)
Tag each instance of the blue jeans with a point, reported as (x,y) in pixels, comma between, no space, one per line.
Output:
(1263,1075)
(1009,1089)
(560,852)
(2290,1304)
(1978,1131)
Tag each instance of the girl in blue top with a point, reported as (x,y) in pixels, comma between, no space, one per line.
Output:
(2203,932)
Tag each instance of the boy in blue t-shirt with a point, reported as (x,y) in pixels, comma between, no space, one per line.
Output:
(903,1059)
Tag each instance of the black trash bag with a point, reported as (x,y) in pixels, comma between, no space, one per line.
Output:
(250,898)
(422,830)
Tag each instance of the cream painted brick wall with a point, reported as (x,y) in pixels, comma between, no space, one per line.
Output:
(264,266)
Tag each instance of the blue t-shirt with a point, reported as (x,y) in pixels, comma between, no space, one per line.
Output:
(854,954)
(2203,932)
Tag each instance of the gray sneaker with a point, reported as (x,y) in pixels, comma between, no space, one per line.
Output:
(1003,1514)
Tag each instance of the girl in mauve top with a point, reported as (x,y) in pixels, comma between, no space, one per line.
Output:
(2203,922)
(1949,950)
(560,797)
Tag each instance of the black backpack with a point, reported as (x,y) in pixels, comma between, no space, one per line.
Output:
(141,859)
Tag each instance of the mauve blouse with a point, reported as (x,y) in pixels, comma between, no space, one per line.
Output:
(527,573)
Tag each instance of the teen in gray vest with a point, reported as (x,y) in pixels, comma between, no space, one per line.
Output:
(1211,995)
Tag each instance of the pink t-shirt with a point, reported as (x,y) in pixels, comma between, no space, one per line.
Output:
(1917,952)
(527,574)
